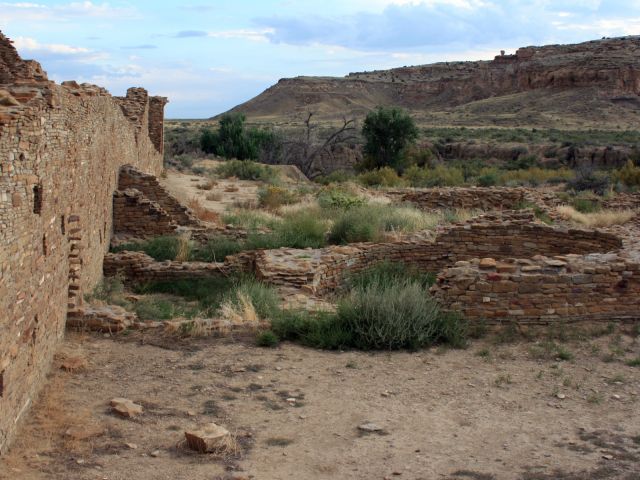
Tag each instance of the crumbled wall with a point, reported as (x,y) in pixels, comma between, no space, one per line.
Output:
(541,290)
(60,151)
(136,215)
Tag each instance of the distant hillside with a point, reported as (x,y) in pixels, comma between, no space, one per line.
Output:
(591,84)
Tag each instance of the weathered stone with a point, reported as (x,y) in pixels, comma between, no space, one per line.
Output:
(210,438)
(125,407)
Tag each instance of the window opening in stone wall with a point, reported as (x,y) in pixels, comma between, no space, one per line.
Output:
(62,225)
(44,245)
(21,157)
(37,199)
(2,384)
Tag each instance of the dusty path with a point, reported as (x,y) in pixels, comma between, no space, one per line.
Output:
(491,411)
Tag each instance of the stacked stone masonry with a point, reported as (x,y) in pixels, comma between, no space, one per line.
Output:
(598,287)
(136,215)
(61,148)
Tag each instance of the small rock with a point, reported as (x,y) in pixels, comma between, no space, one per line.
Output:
(210,438)
(125,407)
(607,457)
(131,446)
(155,453)
(369,427)
(73,364)
(487,263)
(616,397)
(291,400)
(561,396)
(80,461)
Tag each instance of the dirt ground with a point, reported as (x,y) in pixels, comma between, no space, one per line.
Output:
(492,411)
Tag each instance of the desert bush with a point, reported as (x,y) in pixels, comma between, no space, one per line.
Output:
(536,176)
(629,175)
(381,177)
(387,272)
(586,202)
(267,339)
(233,140)
(337,176)
(214,196)
(110,290)
(334,198)
(394,316)
(299,230)
(272,197)
(487,180)
(439,176)
(589,180)
(368,223)
(160,248)
(246,170)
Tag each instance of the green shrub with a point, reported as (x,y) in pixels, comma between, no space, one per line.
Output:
(313,329)
(388,132)
(301,230)
(397,315)
(246,170)
(160,248)
(216,249)
(381,177)
(336,198)
(586,204)
(337,176)
(267,339)
(273,197)
(156,308)
(439,176)
(368,223)
(250,219)
(387,272)
(487,180)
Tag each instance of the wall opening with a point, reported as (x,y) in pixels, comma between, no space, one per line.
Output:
(37,199)
(45,249)
(2,384)
(62,226)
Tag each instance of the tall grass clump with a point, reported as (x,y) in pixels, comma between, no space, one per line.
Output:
(273,197)
(381,177)
(603,218)
(387,273)
(438,176)
(160,248)
(369,223)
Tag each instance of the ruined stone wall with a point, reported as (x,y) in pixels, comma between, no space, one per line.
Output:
(151,188)
(489,198)
(136,215)
(60,151)
(506,240)
(598,287)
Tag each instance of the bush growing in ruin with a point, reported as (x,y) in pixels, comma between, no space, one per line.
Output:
(233,140)
(246,170)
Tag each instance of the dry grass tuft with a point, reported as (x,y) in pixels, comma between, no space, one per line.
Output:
(207,186)
(201,212)
(603,218)
(242,313)
(184,247)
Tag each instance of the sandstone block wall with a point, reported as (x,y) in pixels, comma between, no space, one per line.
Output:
(471,198)
(136,215)
(131,177)
(61,147)
(599,287)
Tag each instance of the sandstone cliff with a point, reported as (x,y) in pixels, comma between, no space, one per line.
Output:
(556,85)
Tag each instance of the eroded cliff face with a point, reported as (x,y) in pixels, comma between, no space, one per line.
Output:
(608,67)
(61,147)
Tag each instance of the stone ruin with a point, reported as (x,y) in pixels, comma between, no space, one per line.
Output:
(78,168)
(61,149)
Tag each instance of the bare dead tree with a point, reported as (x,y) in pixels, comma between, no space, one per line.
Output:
(305,150)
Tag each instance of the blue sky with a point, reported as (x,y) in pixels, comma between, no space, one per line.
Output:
(209,56)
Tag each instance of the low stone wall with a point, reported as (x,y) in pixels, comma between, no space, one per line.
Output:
(138,267)
(130,177)
(471,198)
(136,215)
(597,287)
(505,240)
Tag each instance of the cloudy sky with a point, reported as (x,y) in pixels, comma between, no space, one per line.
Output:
(209,56)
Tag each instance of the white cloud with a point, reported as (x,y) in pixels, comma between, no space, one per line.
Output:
(26,44)
(25,11)
(261,35)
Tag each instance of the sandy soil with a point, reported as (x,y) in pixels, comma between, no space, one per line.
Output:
(492,411)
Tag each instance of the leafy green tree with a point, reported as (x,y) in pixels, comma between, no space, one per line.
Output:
(232,140)
(387,132)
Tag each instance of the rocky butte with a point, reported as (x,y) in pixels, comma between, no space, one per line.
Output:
(597,81)
(61,148)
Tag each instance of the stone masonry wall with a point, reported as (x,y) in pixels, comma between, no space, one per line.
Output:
(61,147)
(148,184)
(542,289)
(136,215)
